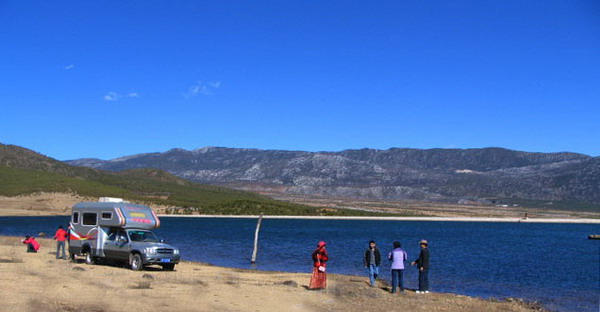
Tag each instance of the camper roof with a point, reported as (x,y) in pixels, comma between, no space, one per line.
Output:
(128,215)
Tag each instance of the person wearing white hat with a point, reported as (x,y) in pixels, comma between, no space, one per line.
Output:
(423,265)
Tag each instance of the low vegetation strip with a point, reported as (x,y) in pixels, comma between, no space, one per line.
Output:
(154,187)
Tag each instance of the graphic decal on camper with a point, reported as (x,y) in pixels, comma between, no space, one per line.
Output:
(139,215)
(73,235)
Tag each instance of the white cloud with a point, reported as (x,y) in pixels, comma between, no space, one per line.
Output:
(114,96)
(69,67)
(202,88)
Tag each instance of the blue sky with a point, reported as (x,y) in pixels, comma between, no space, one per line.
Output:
(111,78)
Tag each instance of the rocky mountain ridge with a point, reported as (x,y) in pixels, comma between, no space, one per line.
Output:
(396,174)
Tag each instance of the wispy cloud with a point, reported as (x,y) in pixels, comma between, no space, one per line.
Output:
(112,96)
(202,88)
(69,67)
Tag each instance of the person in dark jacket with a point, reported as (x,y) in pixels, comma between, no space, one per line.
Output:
(372,260)
(423,264)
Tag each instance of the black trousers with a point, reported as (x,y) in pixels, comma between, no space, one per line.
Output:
(424,280)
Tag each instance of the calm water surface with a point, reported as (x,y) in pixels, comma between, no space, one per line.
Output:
(551,263)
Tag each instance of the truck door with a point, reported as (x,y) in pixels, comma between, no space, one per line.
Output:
(116,246)
(100,240)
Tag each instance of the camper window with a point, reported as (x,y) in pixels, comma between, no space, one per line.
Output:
(90,218)
(75,217)
(107,215)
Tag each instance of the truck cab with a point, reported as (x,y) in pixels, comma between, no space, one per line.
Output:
(116,230)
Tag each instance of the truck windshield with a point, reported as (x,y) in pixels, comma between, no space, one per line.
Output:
(142,236)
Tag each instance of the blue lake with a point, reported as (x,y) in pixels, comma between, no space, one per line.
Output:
(552,263)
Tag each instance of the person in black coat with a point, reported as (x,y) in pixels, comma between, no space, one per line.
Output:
(372,260)
(423,265)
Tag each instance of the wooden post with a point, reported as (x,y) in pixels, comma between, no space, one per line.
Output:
(253,260)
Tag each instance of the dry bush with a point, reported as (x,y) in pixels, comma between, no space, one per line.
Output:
(231,278)
(57,306)
(143,284)
(12,259)
(288,283)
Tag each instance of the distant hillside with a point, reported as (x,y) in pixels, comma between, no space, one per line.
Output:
(447,175)
(23,171)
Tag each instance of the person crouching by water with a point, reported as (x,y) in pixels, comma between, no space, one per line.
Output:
(397,256)
(60,236)
(372,260)
(318,280)
(423,264)
(32,244)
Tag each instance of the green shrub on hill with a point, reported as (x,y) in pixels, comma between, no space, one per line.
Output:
(140,186)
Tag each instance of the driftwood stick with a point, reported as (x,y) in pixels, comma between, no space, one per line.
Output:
(253,260)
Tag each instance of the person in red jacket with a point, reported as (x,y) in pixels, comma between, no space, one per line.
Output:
(60,237)
(32,244)
(318,279)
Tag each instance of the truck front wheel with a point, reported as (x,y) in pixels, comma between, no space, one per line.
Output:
(135,262)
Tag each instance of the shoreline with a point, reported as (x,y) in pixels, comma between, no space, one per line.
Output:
(365,218)
(60,284)
(436,219)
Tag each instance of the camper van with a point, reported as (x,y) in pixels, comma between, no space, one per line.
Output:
(115,230)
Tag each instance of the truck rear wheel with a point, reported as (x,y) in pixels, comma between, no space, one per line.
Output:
(135,262)
(168,267)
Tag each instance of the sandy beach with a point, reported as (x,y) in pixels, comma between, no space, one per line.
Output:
(39,282)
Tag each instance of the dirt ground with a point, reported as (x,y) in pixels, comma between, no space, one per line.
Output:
(43,204)
(39,282)
(46,204)
(429,209)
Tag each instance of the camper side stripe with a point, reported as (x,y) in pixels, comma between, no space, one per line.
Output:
(155,218)
(121,217)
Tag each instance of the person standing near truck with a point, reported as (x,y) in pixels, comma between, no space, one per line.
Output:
(372,260)
(423,264)
(60,236)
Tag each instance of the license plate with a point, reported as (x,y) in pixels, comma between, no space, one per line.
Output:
(165,260)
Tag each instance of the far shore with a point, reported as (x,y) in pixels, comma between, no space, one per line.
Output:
(391,218)
(59,204)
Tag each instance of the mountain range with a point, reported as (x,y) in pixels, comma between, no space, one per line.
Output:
(25,172)
(441,175)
